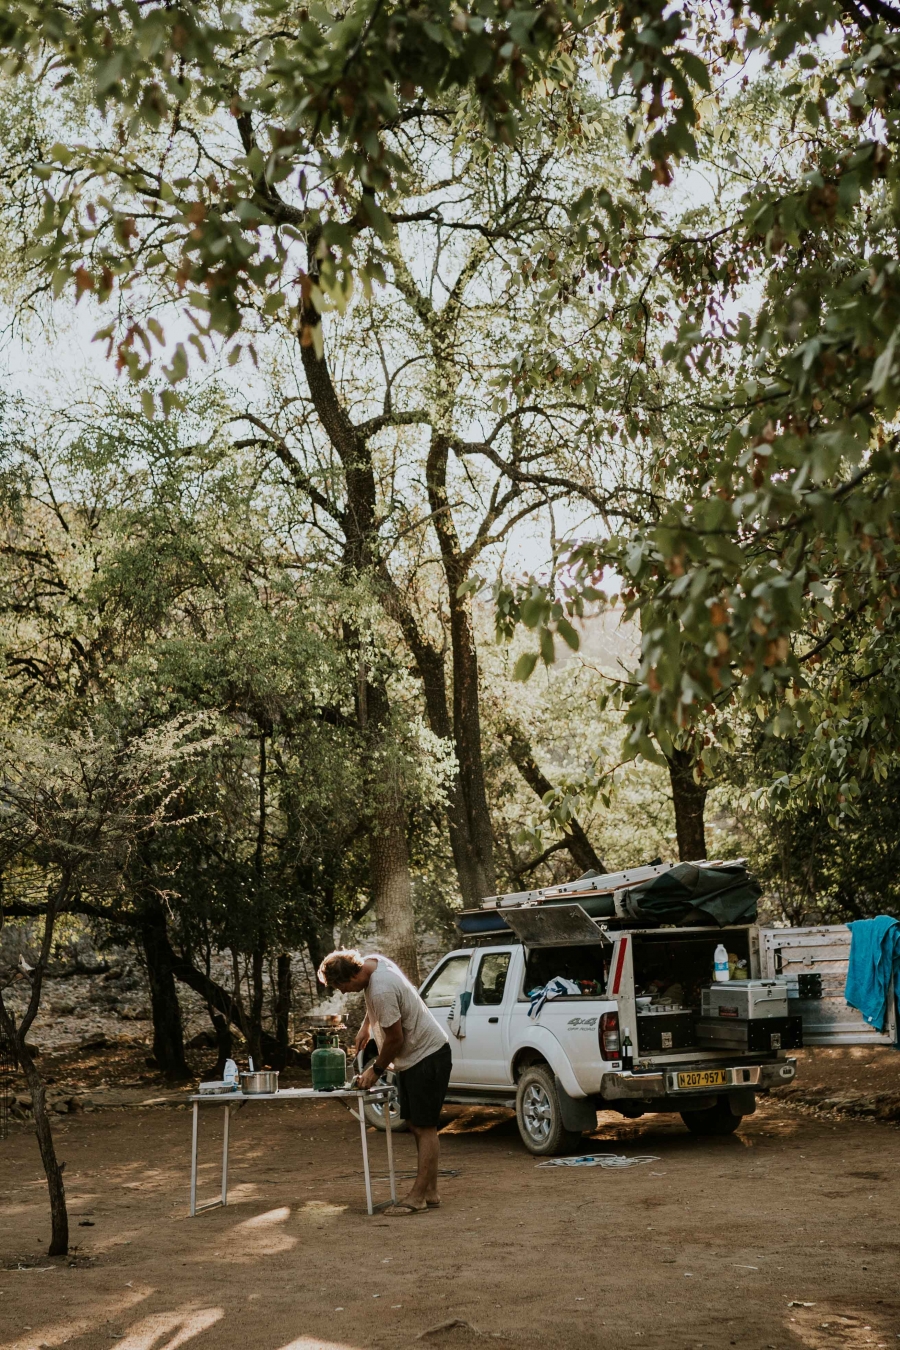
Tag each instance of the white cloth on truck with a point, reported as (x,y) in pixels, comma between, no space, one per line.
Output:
(558,987)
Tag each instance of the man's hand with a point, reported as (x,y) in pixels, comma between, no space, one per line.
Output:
(362,1039)
(391,1044)
(368,1078)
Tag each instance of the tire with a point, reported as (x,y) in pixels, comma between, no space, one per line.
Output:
(374,1111)
(539,1115)
(719,1119)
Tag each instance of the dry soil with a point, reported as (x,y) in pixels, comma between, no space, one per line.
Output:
(783,1237)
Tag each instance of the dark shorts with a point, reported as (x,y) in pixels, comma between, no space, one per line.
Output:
(423,1087)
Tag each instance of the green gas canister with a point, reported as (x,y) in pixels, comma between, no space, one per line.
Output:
(328,1062)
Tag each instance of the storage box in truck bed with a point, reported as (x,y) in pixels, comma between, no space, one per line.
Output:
(739,999)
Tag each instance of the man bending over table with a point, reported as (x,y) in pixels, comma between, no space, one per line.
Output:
(408,1037)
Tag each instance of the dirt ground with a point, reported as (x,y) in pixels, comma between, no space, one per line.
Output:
(857,1069)
(785,1236)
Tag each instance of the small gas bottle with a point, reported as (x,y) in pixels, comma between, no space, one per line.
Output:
(328,1062)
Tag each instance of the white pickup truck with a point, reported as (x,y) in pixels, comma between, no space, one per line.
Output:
(558,1066)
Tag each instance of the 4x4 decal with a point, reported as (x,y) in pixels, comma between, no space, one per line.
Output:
(581,1023)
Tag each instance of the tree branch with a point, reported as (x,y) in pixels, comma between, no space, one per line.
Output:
(301,478)
(574,837)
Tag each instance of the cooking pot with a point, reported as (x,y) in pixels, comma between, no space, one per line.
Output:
(255,1084)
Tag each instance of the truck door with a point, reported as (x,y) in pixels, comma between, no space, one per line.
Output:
(815,962)
(439,993)
(482,1049)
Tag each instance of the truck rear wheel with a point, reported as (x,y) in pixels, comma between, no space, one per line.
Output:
(539,1115)
(718,1119)
(374,1111)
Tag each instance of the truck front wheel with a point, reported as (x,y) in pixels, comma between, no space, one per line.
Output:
(539,1114)
(718,1119)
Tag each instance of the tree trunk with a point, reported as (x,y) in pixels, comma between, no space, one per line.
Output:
(59,1218)
(318,945)
(479,835)
(223,1001)
(580,848)
(391,887)
(168,1033)
(283,982)
(257,997)
(689,800)
(432,672)
(255,1042)
(18,1033)
(224,1039)
(393,892)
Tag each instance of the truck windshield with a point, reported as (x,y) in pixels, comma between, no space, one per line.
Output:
(446,982)
(584,965)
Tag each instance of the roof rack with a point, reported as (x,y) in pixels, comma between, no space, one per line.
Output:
(605,883)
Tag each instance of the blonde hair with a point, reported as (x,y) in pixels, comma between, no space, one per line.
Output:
(339,967)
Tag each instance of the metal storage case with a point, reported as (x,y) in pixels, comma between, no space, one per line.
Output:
(746,999)
(665,1029)
(759,1035)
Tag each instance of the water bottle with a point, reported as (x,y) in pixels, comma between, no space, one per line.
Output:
(720,964)
(230,1074)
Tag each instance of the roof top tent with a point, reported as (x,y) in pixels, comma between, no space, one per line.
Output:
(719,892)
(605,883)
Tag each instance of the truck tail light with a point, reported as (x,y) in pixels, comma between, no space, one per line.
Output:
(608,1033)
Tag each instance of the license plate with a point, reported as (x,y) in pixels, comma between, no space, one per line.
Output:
(701,1078)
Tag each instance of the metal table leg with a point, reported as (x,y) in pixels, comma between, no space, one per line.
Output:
(389,1140)
(365,1153)
(225,1155)
(194,1160)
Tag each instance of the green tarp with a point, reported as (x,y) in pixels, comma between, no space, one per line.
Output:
(723,894)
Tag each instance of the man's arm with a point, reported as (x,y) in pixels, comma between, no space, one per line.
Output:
(363,1036)
(393,1041)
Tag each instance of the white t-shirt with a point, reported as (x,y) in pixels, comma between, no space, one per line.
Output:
(390,998)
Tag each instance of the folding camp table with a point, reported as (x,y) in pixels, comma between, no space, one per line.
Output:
(383,1095)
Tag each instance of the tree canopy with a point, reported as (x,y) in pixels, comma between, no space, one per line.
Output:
(764,571)
(437,322)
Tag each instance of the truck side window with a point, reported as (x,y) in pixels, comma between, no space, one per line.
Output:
(446,983)
(491,980)
(584,965)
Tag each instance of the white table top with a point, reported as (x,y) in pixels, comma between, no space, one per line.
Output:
(291,1094)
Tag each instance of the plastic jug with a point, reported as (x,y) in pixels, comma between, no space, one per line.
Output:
(720,964)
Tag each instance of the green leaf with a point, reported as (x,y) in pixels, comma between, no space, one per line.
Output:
(881,371)
(695,69)
(568,634)
(525,665)
(532,611)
